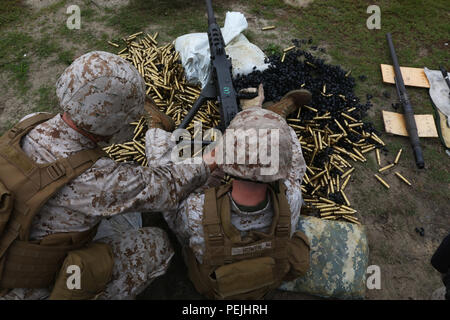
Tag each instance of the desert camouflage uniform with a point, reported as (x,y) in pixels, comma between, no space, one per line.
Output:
(186,221)
(108,188)
(105,190)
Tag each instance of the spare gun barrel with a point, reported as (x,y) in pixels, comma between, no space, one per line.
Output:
(407,108)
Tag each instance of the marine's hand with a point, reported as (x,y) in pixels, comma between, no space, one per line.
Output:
(156,118)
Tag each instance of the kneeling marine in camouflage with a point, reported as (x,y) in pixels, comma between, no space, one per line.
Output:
(239,239)
(56,186)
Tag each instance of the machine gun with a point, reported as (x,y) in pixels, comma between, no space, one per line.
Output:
(220,81)
(407,108)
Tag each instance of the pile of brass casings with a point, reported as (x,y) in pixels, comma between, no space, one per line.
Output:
(166,84)
(324,186)
(320,184)
(165,80)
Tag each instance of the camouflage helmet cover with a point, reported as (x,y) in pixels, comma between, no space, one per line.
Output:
(265,138)
(101,92)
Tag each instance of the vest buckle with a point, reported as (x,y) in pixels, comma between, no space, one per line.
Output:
(55,171)
(282,230)
(14,131)
(216,240)
(227,260)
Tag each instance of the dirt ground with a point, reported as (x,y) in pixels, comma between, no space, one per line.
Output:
(390,217)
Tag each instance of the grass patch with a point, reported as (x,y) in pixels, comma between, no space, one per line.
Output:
(6,126)
(438,175)
(66,57)
(20,73)
(250,35)
(88,14)
(84,36)
(54,7)
(408,209)
(371,162)
(273,49)
(14,57)
(45,47)
(174,18)
(135,16)
(266,8)
(14,44)
(394,146)
(11,11)
(385,251)
(378,212)
(190,24)
(46,99)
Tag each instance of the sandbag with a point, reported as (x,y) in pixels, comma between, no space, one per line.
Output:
(439,92)
(195,55)
(298,255)
(338,260)
(440,97)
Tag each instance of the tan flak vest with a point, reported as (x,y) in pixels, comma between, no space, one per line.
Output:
(25,187)
(236,267)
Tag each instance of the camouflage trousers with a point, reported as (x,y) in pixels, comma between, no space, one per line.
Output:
(140,256)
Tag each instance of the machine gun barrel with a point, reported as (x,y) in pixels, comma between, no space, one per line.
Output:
(211,17)
(220,81)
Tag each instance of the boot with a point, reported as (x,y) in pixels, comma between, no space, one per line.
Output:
(156,118)
(291,102)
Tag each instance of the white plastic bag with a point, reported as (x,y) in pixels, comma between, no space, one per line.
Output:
(195,54)
(439,92)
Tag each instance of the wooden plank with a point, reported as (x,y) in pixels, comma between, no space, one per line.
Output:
(395,123)
(414,77)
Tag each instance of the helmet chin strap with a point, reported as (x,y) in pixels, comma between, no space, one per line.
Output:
(93,137)
(274,184)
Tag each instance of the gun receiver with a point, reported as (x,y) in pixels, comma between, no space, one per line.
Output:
(220,82)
